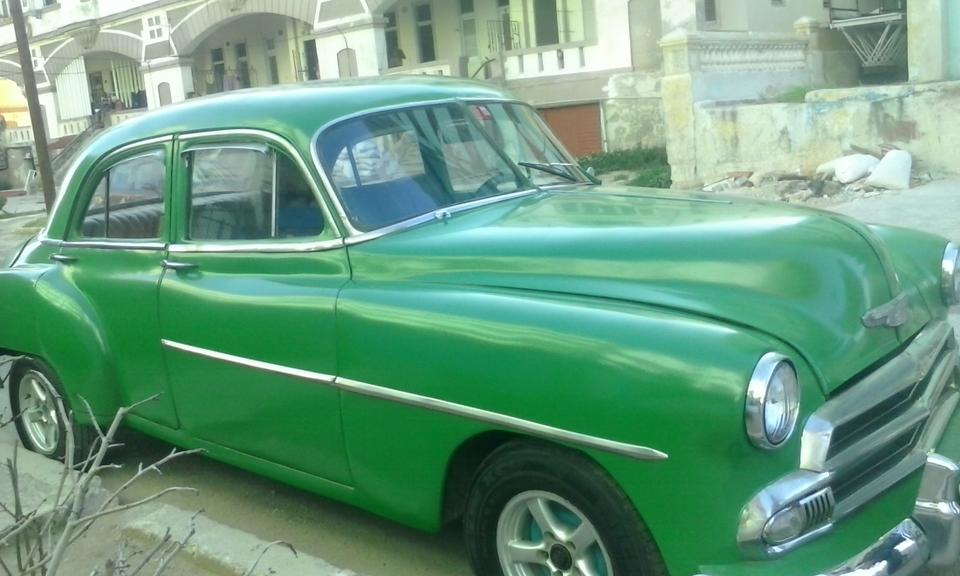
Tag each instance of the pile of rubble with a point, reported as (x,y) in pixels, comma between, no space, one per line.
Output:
(861,173)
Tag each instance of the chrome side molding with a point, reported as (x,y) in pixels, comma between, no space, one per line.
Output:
(434,404)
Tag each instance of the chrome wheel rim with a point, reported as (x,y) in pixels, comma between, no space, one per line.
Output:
(38,412)
(542,534)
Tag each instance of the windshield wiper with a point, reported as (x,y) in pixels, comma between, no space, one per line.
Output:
(550,169)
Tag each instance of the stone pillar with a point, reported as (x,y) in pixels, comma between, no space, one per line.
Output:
(830,59)
(364,37)
(927,40)
(678,92)
(167,80)
(51,112)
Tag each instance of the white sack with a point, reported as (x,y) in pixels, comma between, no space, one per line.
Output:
(827,169)
(854,167)
(893,172)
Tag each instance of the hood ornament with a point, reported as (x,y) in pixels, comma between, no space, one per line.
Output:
(893,314)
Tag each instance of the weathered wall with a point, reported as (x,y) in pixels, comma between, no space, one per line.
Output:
(633,112)
(923,119)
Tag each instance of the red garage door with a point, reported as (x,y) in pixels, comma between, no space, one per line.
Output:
(578,127)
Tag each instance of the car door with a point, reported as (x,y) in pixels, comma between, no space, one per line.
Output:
(247,303)
(112,256)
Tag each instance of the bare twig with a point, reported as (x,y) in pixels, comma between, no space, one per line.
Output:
(165,561)
(266,548)
(153,552)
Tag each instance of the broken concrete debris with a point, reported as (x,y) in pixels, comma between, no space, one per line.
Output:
(861,173)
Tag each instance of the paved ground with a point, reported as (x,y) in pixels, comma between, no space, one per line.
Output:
(346,537)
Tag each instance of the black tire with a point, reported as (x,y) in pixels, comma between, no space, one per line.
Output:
(522,468)
(84,436)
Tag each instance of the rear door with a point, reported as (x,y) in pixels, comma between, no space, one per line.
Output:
(247,303)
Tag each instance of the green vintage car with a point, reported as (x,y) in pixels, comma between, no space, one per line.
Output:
(405,295)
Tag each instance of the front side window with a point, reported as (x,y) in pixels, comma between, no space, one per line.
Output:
(249,193)
(128,202)
(391,166)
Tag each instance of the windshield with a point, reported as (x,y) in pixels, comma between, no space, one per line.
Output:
(391,166)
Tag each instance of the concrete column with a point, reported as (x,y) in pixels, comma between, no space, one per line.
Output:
(51,111)
(167,80)
(953,40)
(364,37)
(927,40)
(679,97)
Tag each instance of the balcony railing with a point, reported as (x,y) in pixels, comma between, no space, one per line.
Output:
(437,68)
(546,60)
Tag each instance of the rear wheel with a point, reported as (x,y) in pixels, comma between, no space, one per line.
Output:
(35,395)
(541,510)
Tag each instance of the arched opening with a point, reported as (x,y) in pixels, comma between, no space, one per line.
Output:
(163,92)
(97,83)
(347,63)
(250,51)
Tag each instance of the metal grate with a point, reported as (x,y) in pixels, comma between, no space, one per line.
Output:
(817,509)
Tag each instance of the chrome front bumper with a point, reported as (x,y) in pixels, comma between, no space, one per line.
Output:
(930,539)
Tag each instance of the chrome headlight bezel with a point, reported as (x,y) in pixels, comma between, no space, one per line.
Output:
(950,274)
(772,369)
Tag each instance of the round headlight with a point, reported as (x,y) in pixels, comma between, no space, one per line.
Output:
(950,275)
(773,402)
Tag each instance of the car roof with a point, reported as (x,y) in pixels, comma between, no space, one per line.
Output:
(295,111)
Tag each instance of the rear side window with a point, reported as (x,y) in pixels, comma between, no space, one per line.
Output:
(128,202)
(249,193)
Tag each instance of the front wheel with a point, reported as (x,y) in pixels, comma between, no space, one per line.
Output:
(35,395)
(541,510)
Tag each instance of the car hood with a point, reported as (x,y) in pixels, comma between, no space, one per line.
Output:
(804,276)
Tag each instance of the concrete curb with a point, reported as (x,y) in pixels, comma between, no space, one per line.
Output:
(38,480)
(224,550)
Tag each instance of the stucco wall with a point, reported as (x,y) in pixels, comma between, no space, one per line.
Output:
(633,112)
(923,119)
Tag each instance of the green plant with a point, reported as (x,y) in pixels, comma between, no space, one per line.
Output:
(653,177)
(795,95)
(649,166)
(633,159)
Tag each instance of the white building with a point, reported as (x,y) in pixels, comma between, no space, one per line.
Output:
(563,55)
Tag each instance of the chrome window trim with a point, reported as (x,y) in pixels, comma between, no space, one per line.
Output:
(259,247)
(290,151)
(428,403)
(949,271)
(112,245)
(75,166)
(357,236)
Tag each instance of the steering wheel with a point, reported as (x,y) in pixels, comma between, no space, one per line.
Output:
(490,186)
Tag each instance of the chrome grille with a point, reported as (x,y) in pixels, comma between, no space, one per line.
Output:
(817,509)
(875,432)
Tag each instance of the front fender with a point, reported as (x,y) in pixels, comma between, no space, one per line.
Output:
(670,381)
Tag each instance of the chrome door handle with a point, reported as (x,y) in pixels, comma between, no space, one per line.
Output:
(63,258)
(179,266)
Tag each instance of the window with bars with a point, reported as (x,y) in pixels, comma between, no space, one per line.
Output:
(710,10)
(155,27)
(425,39)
